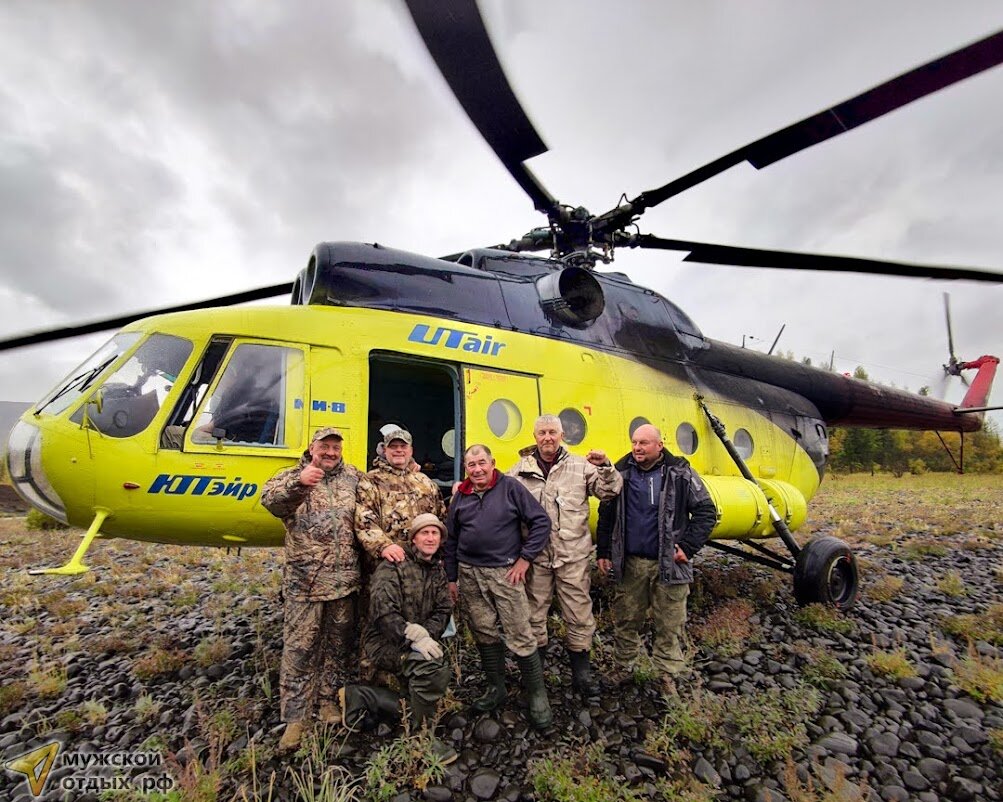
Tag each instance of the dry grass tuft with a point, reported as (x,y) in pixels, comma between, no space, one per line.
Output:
(884,588)
(980,677)
(894,665)
(952,585)
(727,628)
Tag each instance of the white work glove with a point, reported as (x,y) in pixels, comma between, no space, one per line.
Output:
(427,648)
(415,632)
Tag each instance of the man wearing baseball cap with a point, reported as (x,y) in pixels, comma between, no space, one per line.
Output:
(409,609)
(320,580)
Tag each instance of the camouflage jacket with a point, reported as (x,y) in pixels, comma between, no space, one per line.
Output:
(410,592)
(322,559)
(388,499)
(564,494)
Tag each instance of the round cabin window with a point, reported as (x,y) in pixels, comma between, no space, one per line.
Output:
(574,425)
(504,419)
(744,444)
(686,438)
(635,424)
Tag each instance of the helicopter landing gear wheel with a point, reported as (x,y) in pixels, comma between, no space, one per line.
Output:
(826,573)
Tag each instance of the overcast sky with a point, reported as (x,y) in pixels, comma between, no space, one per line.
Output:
(158,153)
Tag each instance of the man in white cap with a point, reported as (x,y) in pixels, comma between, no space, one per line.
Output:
(320,581)
(390,496)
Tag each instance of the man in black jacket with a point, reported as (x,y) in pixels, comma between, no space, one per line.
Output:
(486,562)
(647,537)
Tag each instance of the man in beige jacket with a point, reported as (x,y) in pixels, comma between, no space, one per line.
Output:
(562,483)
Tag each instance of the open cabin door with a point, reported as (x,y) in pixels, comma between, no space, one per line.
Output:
(499,411)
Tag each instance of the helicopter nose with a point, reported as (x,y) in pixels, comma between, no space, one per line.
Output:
(24,465)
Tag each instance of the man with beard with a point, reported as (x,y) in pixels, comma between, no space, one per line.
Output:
(320,581)
(562,483)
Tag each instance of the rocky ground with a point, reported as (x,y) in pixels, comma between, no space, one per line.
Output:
(175,652)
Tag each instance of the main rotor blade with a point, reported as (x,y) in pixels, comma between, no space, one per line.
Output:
(947,317)
(789,260)
(454,33)
(876,102)
(117,322)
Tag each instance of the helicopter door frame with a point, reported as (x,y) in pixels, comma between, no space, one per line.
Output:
(443,474)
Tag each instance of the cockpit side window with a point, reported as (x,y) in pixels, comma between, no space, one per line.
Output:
(129,399)
(248,404)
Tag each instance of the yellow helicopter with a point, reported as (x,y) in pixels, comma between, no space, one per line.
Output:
(169,430)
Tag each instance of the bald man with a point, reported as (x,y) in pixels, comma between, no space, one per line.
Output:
(647,537)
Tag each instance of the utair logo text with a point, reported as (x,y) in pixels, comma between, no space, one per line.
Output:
(455,338)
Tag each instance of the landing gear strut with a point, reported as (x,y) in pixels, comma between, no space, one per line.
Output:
(825,570)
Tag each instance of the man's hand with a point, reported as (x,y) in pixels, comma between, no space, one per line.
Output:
(454,593)
(597,457)
(427,648)
(605,566)
(517,573)
(415,632)
(310,475)
(680,555)
(393,553)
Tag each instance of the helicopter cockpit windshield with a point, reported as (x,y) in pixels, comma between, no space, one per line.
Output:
(82,378)
(127,401)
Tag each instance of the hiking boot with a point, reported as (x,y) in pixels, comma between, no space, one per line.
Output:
(493,665)
(330,713)
(536,692)
(581,673)
(291,737)
(620,675)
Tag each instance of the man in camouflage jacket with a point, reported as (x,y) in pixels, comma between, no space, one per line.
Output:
(320,581)
(390,496)
(562,483)
(409,610)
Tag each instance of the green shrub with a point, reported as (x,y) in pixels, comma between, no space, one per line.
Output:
(38,520)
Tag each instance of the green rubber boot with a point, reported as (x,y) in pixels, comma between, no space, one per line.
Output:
(536,692)
(493,665)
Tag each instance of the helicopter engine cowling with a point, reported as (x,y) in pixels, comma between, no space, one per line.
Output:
(571,296)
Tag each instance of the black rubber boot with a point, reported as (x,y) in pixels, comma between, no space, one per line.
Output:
(493,665)
(581,673)
(536,692)
(365,706)
(423,715)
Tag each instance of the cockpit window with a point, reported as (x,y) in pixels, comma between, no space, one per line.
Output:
(247,405)
(82,378)
(129,399)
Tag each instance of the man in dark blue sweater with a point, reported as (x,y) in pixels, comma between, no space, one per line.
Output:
(486,559)
(647,537)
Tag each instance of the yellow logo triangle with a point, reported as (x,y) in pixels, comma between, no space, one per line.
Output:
(35,766)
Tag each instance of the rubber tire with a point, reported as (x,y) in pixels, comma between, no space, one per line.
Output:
(826,573)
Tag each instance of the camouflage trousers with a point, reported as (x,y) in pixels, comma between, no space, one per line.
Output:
(639,592)
(317,642)
(496,609)
(571,583)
